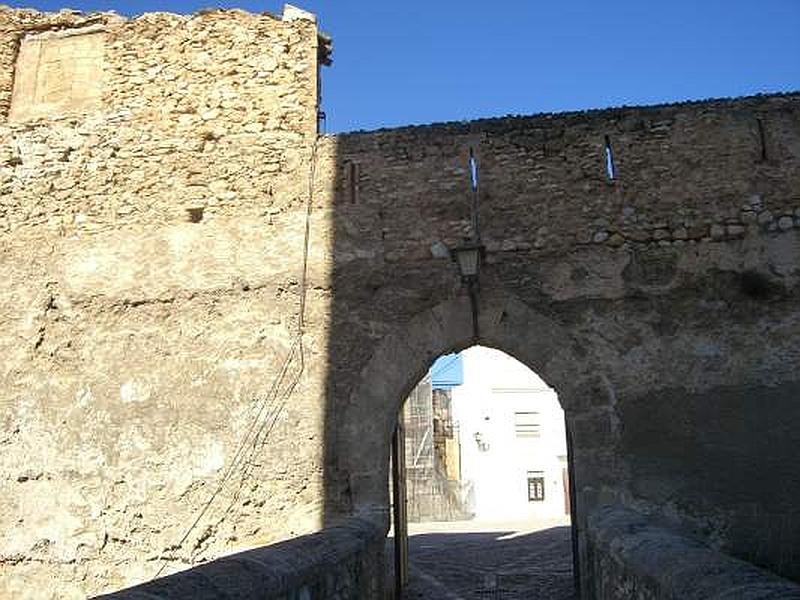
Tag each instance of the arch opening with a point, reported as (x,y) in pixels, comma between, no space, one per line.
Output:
(403,357)
(481,481)
(358,467)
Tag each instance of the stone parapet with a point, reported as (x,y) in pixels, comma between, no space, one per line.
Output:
(344,562)
(636,558)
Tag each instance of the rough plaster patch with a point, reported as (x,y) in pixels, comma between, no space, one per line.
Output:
(211,459)
(133,443)
(84,397)
(234,364)
(133,391)
(57,74)
(53,516)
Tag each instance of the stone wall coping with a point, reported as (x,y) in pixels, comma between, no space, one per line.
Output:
(290,13)
(500,124)
(274,571)
(677,565)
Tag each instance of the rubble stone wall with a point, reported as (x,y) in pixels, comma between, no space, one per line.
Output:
(638,558)
(211,315)
(150,263)
(662,304)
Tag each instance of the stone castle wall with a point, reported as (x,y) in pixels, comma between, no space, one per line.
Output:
(661,305)
(153,237)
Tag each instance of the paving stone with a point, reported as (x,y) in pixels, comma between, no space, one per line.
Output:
(506,563)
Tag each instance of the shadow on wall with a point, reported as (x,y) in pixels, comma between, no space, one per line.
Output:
(671,331)
(383,274)
(396,305)
(378,280)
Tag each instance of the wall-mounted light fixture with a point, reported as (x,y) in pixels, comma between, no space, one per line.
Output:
(468,256)
(483,445)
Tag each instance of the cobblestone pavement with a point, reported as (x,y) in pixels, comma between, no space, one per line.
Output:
(490,561)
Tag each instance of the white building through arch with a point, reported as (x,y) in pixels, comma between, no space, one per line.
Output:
(485,439)
(513,439)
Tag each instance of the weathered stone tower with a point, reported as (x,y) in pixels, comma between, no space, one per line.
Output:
(210,315)
(153,171)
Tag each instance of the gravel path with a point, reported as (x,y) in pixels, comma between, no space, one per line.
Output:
(490,561)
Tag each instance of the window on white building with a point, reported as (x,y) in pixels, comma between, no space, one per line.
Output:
(535,486)
(527,424)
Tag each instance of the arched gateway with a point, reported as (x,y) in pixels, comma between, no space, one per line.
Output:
(402,357)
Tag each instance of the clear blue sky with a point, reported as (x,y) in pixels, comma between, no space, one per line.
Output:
(400,62)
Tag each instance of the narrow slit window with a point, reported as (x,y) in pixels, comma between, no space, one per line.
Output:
(354,175)
(762,138)
(611,171)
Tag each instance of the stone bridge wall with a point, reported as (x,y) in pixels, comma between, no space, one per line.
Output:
(153,241)
(634,557)
(343,562)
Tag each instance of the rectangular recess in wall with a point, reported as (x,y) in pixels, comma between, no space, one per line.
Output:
(354,176)
(58,72)
(350,181)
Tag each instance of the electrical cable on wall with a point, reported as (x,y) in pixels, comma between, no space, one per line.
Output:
(271,405)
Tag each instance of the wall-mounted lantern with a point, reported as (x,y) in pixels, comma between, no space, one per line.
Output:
(468,256)
(483,445)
